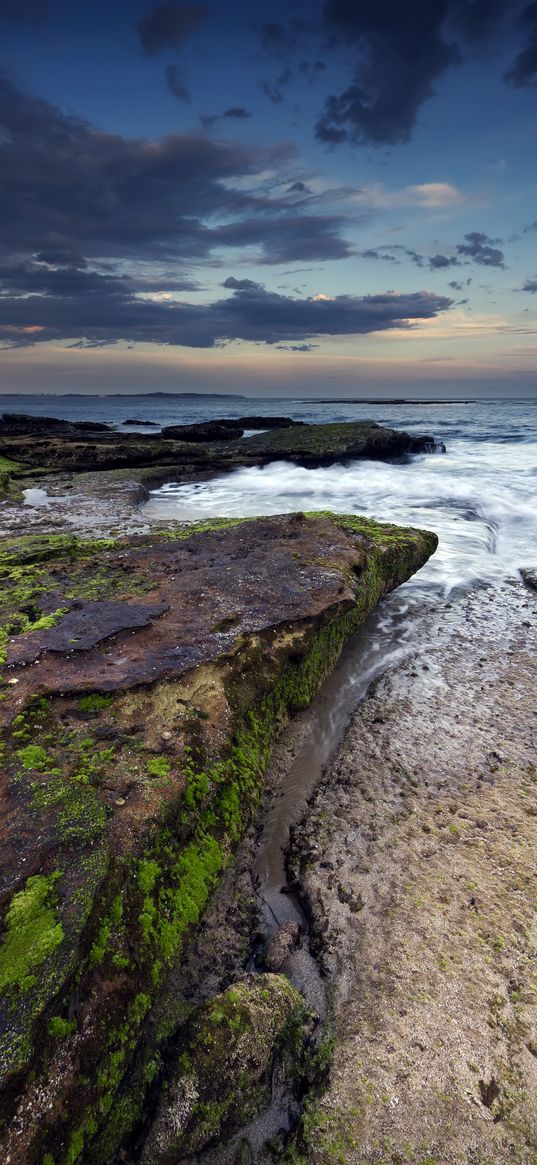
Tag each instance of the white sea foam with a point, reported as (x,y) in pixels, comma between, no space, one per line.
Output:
(480,498)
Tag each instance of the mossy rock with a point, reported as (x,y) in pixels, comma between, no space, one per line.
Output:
(223,1074)
(134,767)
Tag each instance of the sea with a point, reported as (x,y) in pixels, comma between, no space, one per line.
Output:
(480,496)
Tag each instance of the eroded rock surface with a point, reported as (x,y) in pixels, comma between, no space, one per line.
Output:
(132,763)
(418,861)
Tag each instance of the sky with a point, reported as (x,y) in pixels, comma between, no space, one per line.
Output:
(332,198)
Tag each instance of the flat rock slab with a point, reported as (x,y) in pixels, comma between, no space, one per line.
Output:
(212,588)
(82,628)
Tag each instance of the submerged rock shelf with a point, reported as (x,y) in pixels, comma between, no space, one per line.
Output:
(144,682)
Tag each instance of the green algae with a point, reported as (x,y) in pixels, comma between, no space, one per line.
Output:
(7,465)
(32,932)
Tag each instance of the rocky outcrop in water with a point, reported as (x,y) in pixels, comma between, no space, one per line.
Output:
(34,448)
(144,681)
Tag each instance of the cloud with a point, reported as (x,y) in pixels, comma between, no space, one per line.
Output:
(274,91)
(311,69)
(69,187)
(378,253)
(425,195)
(282,40)
(297,347)
(481,250)
(439,262)
(102,310)
(435,195)
(523,71)
(237,113)
(389,254)
(530,285)
(175,84)
(167,26)
(401,51)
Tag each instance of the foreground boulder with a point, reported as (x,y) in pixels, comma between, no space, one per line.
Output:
(236,1037)
(144,682)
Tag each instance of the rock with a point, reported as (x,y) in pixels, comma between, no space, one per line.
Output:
(137,421)
(182,447)
(322,444)
(204,431)
(82,628)
(20,424)
(133,762)
(224,1067)
(281,944)
(529,574)
(258,422)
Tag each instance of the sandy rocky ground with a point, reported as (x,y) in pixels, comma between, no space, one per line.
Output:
(417,858)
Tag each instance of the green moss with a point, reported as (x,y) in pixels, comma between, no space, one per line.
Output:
(109,927)
(59,1027)
(7,465)
(78,1138)
(158,766)
(32,932)
(94,702)
(34,756)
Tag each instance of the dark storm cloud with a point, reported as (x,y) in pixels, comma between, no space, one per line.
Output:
(401,52)
(475,19)
(67,187)
(439,262)
(481,250)
(111,312)
(167,26)
(288,238)
(175,84)
(61,259)
(523,71)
